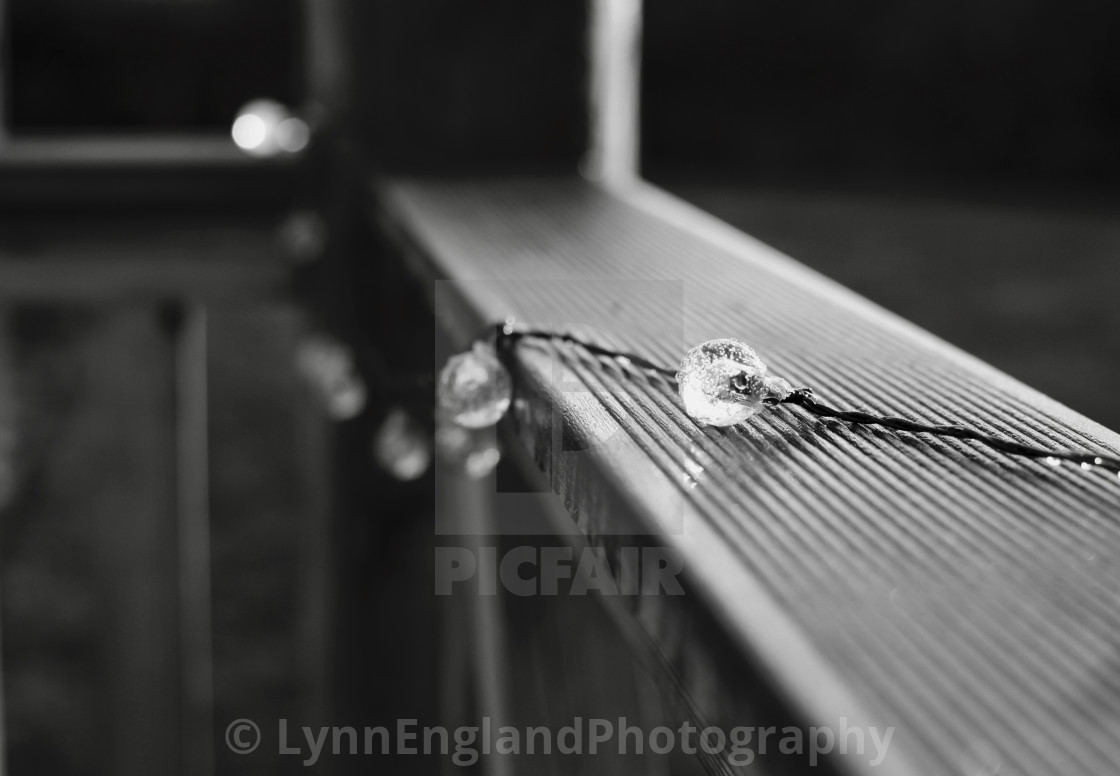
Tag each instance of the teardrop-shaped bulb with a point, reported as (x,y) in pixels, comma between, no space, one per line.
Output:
(474,388)
(723,382)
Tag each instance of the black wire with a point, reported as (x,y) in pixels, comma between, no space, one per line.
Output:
(508,334)
(803,398)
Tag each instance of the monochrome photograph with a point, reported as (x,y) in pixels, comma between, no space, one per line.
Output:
(559,387)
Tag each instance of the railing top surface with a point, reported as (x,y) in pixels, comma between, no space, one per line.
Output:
(967,597)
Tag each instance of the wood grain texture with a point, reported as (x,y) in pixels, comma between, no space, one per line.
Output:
(965,597)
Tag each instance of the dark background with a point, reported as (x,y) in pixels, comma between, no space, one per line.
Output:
(956,162)
(998,95)
(132,65)
(959,93)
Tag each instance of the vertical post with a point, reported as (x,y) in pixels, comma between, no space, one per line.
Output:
(469,505)
(4,67)
(316,589)
(194,544)
(128,436)
(614,75)
(3,720)
(6,395)
(326,68)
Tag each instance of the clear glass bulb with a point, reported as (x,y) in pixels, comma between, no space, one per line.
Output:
(401,447)
(267,128)
(474,389)
(329,367)
(472,453)
(723,382)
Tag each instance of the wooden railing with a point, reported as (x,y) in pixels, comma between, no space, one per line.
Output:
(831,572)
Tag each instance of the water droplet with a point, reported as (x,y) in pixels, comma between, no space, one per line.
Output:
(693,473)
(722,382)
(1052,461)
(623,361)
(1086,466)
(509,325)
(1098,461)
(474,388)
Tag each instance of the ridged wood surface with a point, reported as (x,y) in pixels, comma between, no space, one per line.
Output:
(966,597)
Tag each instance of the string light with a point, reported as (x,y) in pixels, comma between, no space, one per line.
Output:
(330,369)
(401,447)
(474,389)
(266,128)
(721,383)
